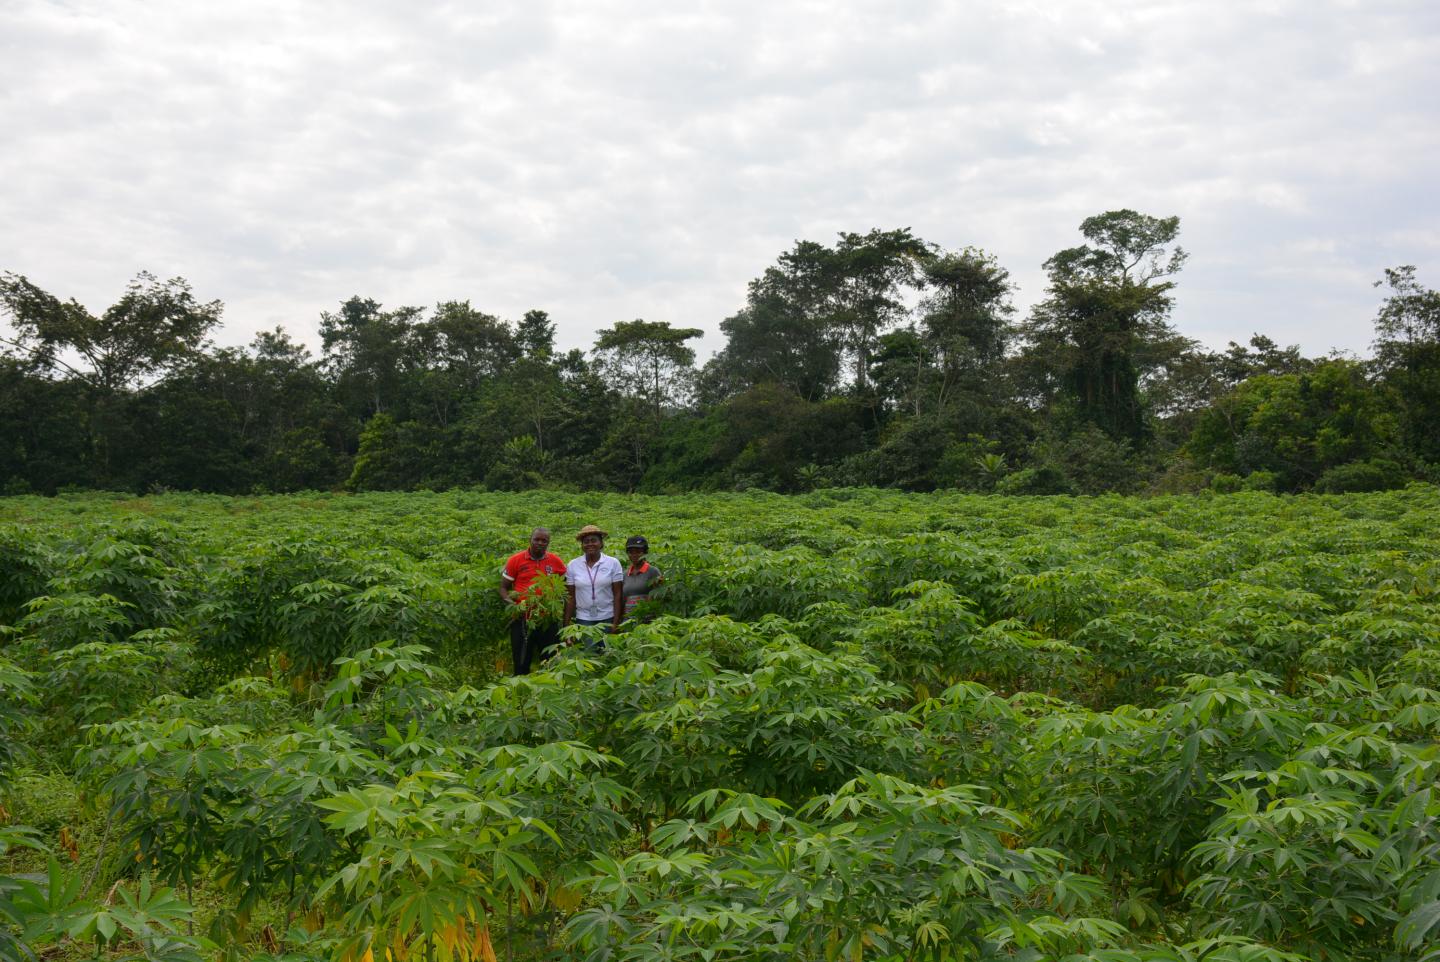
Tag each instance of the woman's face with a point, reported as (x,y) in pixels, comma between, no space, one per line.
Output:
(637,555)
(591,545)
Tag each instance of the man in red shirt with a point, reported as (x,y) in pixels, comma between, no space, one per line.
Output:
(519,573)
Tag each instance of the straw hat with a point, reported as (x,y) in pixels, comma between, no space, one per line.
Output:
(589,529)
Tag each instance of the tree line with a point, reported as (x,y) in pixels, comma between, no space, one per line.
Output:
(879,359)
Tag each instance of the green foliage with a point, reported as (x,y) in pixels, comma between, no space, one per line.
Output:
(40,913)
(1297,426)
(45,802)
(521,466)
(1407,354)
(874,360)
(972,464)
(393,456)
(311,603)
(1226,483)
(152,326)
(17,691)
(434,854)
(862,723)
(1377,474)
(880,864)
(56,911)
(1342,829)
(770,434)
(1090,460)
(99,682)
(1103,324)
(649,359)
(1042,480)
(543,603)
(25,566)
(1261,481)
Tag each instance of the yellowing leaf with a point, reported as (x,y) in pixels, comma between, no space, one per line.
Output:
(530,901)
(484,951)
(450,936)
(68,843)
(564,899)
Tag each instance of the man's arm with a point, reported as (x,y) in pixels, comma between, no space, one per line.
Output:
(569,604)
(507,581)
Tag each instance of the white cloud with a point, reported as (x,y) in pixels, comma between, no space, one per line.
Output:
(611,160)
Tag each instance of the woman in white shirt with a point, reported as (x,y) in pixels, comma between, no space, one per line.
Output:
(593,583)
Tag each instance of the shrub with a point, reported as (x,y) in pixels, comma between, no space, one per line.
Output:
(1180,476)
(1261,481)
(1377,474)
(1226,483)
(1091,461)
(1042,480)
(46,801)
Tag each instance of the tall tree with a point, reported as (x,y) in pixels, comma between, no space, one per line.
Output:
(536,334)
(869,275)
(369,351)
(469,345)
(198,429)
(1191,380)
(648,360)
(45,440)
(153,326)
(815,310)
(903,370)
(783,335)
(1261,356)
(1407,354)
(457,351)
(301,426)
(652,368)
(964,319)
(1104,321)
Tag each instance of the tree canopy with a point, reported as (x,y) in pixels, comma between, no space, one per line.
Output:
(154,325)
(876,358)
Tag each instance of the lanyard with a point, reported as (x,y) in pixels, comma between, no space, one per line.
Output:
(590,570)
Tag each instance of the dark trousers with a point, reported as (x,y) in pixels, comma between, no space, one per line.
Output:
(528,642)
(596,647)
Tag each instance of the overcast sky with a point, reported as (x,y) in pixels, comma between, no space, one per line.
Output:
(613,160)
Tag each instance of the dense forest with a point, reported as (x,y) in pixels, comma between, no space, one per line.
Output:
(880,360)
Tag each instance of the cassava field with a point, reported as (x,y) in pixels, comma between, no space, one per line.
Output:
(862,725)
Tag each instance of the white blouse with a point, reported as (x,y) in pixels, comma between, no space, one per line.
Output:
(594,594)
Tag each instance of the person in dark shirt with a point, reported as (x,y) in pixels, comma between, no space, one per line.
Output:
(641,576)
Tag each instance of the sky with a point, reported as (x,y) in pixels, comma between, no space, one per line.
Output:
(612,160)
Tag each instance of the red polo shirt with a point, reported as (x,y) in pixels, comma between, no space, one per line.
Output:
(522,569)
